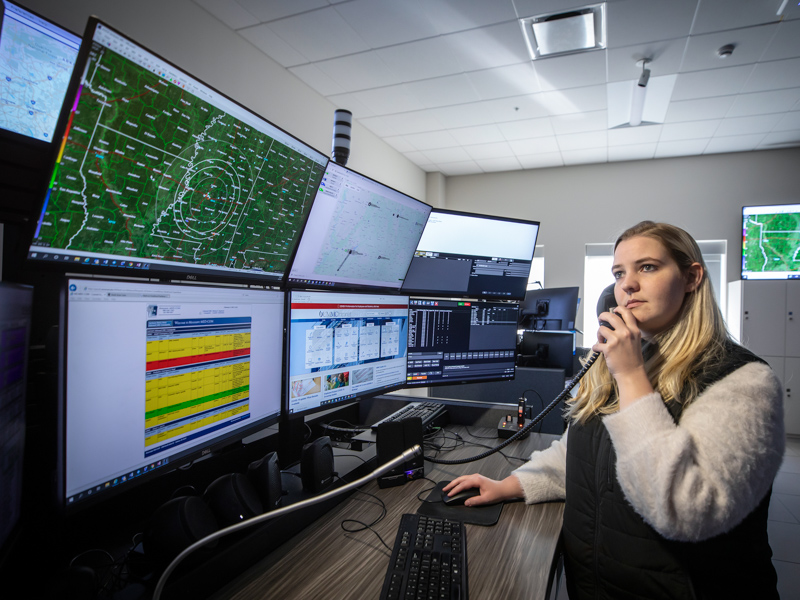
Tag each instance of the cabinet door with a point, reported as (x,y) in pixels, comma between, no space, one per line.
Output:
(793,318)
(791,395)
(763,320)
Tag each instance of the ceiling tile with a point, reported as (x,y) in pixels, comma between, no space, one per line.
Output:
(734,143)
(431,140)
(278,9)
(583,141)
(399,143)
(487,47)
(540,145)
(541,161)
(718,15)
(717,82)
(747,125)
(319,34)
(774,76)
(698,110)
(580,122)
(527,128)
(513,80)
(572,71)
(443,91)
(463,115)
(788,122)
(263,38)
(781,138)
(449,16)
(671,132)
(420,60)
(467,167)
(517,108)
(630,136)
(315,78)
(581,157)
(761,103)
(632,152)
(233,14)
(784,44)
(386,100)
(494,150)
(352,103)
(574,100)
(418,158)
(382,126)
(480,134)
(701,52)
(448,155)
(635,21)
(664,58)
(358,72)
(387,22)
(507,163)
(681,148)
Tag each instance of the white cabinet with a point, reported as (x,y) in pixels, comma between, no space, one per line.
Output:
(763,316)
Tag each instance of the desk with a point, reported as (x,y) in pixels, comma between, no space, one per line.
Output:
(509,560)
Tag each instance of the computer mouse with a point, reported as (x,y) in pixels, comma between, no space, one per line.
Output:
(459,498)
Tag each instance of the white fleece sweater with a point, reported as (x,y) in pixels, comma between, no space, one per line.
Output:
(693,480)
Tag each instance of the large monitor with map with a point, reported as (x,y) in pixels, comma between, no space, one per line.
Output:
(771,241)
(156,375)
(469,255)
(360,234)
(342,347)
(159,174)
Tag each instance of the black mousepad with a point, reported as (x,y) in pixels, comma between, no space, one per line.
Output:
(433,506)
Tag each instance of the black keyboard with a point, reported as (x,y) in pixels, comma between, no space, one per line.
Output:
(429,561)
(427,411)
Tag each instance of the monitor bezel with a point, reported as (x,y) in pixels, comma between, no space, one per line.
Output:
(744,275)
(469,294)
(181,460)
(292,416)
(340,286)
(181,271)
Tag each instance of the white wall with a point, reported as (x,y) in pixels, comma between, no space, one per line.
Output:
(594,203)
(187,35)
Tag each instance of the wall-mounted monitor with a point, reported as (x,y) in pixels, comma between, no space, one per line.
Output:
(472,256)
(344,346)
(155,375)
(360,234)
(159,174)
(36,60)
(549,309)
(451,341)
(771,241)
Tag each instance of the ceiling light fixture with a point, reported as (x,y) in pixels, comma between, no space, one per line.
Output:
(556,34)
(639,93)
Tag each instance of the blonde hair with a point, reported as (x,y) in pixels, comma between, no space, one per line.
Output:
(676,356)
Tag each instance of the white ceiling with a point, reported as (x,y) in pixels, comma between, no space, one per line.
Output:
(449,83)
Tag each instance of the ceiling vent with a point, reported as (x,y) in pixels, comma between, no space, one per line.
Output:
(557,34)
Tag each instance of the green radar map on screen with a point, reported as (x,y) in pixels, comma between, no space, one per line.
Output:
(772,242)
(149,170)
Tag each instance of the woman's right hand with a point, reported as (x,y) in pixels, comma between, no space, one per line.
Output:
(492,491)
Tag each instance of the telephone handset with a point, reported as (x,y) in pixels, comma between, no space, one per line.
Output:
(605,304)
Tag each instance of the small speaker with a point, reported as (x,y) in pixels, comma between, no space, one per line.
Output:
(232,498)
(176,525)
(265,475)
(394,438)
(316,465)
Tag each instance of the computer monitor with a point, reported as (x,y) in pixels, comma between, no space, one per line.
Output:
(770,241)
(159,172)
(551,309)
(548,350)
(474,256)
(344,346)
(360,234)
(451,341)
(156,375)
(15,327)
(36,60)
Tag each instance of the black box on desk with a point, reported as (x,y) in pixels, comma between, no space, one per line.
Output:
(394,438)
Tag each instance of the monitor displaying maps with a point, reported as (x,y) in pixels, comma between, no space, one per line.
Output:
(157,171)
(771,241)
(36,60)
(360,234)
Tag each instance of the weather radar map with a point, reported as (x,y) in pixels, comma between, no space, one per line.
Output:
(771,241)
(156,166)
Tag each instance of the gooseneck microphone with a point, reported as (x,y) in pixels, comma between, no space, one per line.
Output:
(410,454)
(342,126)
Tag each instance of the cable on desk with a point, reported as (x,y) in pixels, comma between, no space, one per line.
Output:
(363,525)
(529,426)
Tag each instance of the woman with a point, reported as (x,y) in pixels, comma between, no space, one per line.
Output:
(674,439)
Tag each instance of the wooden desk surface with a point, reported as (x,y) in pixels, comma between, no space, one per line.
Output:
(512,559)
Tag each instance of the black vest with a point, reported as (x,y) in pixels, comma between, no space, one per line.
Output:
(611,552)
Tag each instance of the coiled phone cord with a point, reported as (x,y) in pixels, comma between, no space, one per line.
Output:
(591,360)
